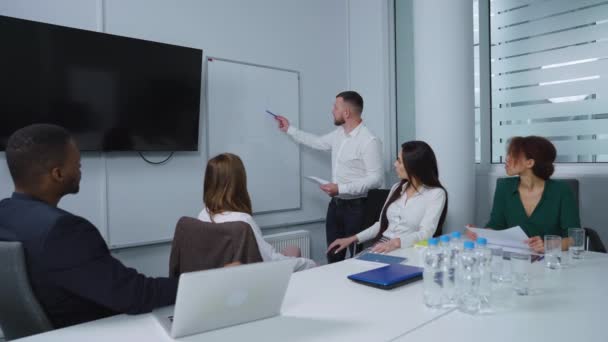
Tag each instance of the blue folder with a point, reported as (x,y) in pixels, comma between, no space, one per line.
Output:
(383,258)
(388,277)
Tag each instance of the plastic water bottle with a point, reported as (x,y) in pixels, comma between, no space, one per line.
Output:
(456,240)
(484,257)
(457,246)
(444,240)
(455,251)
(468,276)
(448,294)
(433,275)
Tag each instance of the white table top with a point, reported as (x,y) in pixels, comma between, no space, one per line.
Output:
(322,305)
(566,305)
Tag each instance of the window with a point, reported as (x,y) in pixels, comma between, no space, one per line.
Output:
(549,62)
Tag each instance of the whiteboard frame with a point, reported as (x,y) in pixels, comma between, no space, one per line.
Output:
(299,115)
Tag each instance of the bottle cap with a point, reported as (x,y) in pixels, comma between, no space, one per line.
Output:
(469,245)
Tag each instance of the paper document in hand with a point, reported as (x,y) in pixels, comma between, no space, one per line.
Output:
(317,180)
(512,238)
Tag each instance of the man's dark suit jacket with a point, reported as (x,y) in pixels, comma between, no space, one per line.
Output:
(71,270)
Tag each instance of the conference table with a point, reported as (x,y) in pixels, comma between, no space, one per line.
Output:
(570,304)
(321,304)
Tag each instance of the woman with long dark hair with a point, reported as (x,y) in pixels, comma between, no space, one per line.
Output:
(415,208)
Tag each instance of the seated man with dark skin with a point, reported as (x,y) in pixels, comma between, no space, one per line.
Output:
(71,270)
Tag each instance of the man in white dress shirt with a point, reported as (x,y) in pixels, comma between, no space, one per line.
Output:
(356,158)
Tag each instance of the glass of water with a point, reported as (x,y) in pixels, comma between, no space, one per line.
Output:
(577,243)
(553,251)
(496,264)
(501,289)
(521,273)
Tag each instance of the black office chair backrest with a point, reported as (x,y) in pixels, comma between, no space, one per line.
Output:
(373,206)
(594,243)
(573,185)
(20,313)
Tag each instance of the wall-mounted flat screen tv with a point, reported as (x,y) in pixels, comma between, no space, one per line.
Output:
(112,93)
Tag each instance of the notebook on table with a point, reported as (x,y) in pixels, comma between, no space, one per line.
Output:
(388,277)
(383,258)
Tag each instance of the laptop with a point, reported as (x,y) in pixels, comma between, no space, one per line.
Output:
(388,277)
(218,298)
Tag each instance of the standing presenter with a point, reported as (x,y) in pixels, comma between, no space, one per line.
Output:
(356,158)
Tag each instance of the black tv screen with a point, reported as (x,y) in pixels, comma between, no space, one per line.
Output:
(112,93)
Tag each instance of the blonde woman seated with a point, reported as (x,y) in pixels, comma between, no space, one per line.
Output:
(227,200)
(415,207)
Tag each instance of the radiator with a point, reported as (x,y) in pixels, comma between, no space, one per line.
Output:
(300,238)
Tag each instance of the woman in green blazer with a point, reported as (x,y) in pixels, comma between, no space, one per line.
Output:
(532,200)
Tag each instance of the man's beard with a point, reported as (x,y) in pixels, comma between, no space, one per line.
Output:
(72,188)
(339,122)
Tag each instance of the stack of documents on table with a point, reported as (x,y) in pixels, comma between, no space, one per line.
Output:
(511,239)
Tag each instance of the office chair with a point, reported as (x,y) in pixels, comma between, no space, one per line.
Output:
(20,313)
(373,206)
(573,185)
(199,245)
(594,242)
(371,212)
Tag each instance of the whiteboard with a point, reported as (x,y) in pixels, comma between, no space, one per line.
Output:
(238,95)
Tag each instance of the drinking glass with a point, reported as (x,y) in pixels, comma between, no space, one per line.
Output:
(553,251)
(521,273)
(496,264)
(577,243)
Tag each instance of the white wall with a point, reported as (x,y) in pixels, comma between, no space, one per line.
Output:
(335,44)
(370,70)
(443,77)
(309,36)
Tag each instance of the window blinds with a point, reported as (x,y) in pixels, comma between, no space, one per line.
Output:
(549,64)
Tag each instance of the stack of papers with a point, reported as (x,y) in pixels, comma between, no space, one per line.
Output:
(511,239)
(317,180)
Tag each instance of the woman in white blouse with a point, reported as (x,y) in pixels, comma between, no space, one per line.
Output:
(227,200)
(416,206)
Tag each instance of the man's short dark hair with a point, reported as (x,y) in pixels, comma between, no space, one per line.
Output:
(34,150)
(353,98)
